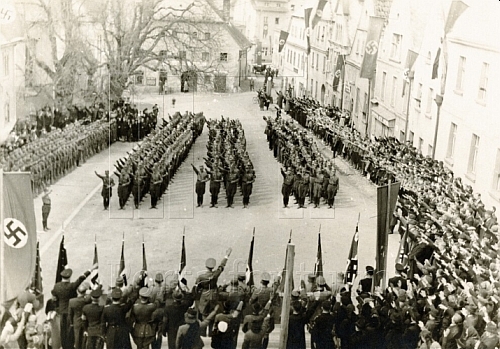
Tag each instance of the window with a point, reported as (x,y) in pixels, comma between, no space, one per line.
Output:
(312,61)
(393,92)
(496,176)
(357,46)
(264,51)
(412,136)
(404,105)
(316,91)
(460,74)
(294,55)
(428,107)
(358,100)
(396,47)
(139,78)
(312,86)
(483,82)
(205,56)
(163,53)
(384,82)
(265,20)
(324,63)
(402,136)
(418,99)
(277,20)
(317,62)
(365,107)
(303,62)
(474,149)
(207,36)
(429,150)
(207,78)
(451,141)
(420,144)
(6,66)
(182,54)
(7,112)
(323,35)
(223,57)
(428,58)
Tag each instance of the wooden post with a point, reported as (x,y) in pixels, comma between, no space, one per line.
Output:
(285,310)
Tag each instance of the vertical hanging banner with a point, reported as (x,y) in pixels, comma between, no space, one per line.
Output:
(338,72)
(19,234)
(249,269)
(318,266)
(369,63)
(319,12)
(283,38)
(258,52)
(411,57)
(385,210)
(352,260)
(307,19)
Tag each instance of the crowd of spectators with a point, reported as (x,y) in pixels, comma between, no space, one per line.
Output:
(133,125)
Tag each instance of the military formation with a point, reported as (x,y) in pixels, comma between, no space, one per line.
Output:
(149,167)
(227,163)
(306,171)
(56,153)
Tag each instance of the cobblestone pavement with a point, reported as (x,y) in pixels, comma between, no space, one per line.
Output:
(208,231)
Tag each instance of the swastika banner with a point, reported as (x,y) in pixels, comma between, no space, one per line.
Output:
(19,233)
(369,63)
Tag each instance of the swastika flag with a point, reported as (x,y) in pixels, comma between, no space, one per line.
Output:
(369,63)
(19,233)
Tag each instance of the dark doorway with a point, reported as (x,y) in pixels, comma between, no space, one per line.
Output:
(220,83)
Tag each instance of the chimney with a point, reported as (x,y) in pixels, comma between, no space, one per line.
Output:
(226,10)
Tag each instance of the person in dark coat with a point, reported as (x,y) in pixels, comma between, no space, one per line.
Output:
(323,327)
(114,324)
(173,317)
(91,321)
(296,325)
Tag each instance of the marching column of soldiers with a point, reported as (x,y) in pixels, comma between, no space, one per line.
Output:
(150,166)
(306,172)
(227,163)
(54,154)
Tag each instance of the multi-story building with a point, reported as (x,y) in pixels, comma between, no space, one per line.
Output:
(404,31)
(467,137)
(294,58)
(12,50)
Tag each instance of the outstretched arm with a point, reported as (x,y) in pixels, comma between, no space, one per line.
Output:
(195,169)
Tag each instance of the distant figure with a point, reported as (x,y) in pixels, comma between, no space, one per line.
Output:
(173,102)
(252,84)
(46,208)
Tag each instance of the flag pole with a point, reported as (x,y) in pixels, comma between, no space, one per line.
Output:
(2,242)
(285,311)
(387,225)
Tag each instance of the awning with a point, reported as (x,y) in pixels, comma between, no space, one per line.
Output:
(386,117)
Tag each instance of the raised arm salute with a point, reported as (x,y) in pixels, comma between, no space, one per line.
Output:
(107,184)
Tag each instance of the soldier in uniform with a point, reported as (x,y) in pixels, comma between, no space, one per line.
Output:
(75,307)
(144,327)
(206,284)
(286,188)
(232,183)
(173,316)
(123,187)
(201,179)
(215,180)
(333,186)
(114,323)
(107,184)
(262,294)
(317,186)
(365,284)
(156,180)
(91,318)
(46,208)
(64,291)
(246,186)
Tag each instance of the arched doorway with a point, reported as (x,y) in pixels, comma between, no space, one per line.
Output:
(322,94)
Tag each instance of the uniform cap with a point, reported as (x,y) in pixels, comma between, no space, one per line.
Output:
(241,276)
(116,294)
(210,263)
(190,315)
(265,277)
(96,293)
(66,273)
(145,292)
(400,267)
(82,289)
(321,281)
(327,305)
(177,295)
(119,281)
(369,269)
(311,277)
(159,277)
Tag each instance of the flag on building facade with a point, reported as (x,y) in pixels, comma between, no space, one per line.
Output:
(435,65)
(94,275)
(339,67)
(62,260)
(249,268)
(283,38)
(352,260)
(411,57)
(307,19)
(19,236)
(386,202)
(182,264)
(318,266)
(369,63)
(258,53)
(121,271)
(457,7)
(318,13)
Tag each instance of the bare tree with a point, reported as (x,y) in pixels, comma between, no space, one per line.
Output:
(66,55)
(152,34)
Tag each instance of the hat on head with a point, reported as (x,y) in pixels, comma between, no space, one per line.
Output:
(116,294)
(400,267)
(66,273)
(370,269)
(82,288)
(145,292)
(96,293)
(256,308)
(210,263)
(321,281)
(177,295)
(190,316)
(265,277)
(119,281)
(326,305)
(159,277)
(242,277)
(295,294)
(311,277)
